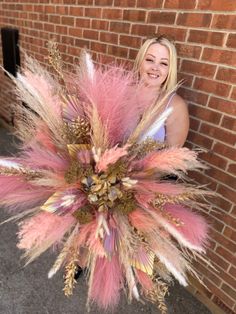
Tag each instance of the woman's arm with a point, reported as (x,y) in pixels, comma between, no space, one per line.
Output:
(177,124)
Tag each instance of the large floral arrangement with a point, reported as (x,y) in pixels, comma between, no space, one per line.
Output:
(90,179)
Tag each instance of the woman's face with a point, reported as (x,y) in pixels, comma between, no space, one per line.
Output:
(155,66)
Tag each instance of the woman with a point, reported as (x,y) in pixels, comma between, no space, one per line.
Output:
(156,64)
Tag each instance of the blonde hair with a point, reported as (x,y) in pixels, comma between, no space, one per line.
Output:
(171,79)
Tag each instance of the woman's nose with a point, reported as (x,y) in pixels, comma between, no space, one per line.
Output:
(155,67)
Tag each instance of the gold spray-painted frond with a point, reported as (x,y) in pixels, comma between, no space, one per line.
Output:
(77,131)
(147,146)
(54,58)
(63,254)
(27,173)
(69,276)
(162,199)
(158,293)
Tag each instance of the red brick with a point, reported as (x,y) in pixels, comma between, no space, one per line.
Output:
(194,124)
(49,27)
(142,30)
(82,22)
(62,9)
(231,42)
(155,4)
(232,168)
(222,306)
(75,31)
(222,105)
(231,234)
(193,96)
(221,176)
(227,193)
(205,114)
(212,86)
(194,19)
(219,56)
(225,243)
(186,79)
(227,277)
(229,123)
(132,54)
(134,15)
(118,51)
(233,94)
(109,37)
(232,271)
(216,5)
(93,12)
(215,224)
(177,33)
(76,11)
(83,2)
(61,29)
(199,68)
(68,20)
(226,74)
(229,291)
(125,3)
(180,4)
(214,159)
(218,133)
(209,274)
(97,46)
(113,14)
(55,19)
(206,37)
(224,21)
(100,24)
(161,17)
(188,51)
(83,43)
(90,34)
(200,140)
(204,180)
(218,260)
(104,2)
(67,40)
(130,41)
(50,9)
(224,150)
(119,27)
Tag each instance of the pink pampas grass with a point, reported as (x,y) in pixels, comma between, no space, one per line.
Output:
(197,233)
(107,282)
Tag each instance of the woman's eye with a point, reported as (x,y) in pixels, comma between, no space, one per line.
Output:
(149,60)
(165,64)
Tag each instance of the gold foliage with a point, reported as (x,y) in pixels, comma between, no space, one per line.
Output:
(77,171)
(54,58)
(77,131)
(84,215)
(147,146)
(157,295)
(70,270)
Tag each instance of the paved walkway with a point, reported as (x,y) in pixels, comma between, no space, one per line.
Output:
(26,290)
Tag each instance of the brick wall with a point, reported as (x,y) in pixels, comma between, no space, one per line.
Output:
(205,34)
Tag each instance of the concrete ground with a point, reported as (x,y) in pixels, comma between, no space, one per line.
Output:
(27,290)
